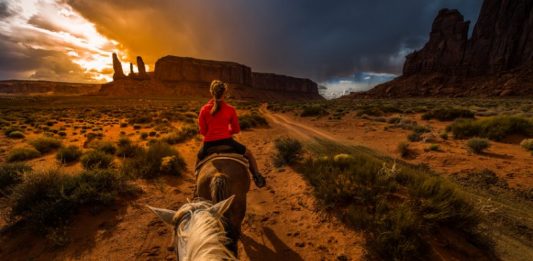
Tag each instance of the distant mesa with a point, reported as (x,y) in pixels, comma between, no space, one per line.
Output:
(496,61)
(185,76)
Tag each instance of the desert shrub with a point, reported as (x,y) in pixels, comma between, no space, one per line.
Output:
(433,147)
(444,135)
(48,198)
(364,192)
(11,174)
(16,135)
(104,146)
(496,128)
(123,124)
(68,154)
(144,135)
(288,151)
(527,144)
(253,120)
(140,119)
(448,114)
(22,153)
(404,150)
(96,159)
(185,133)
(45,144)
(478,145)
(313,110)
(127,149)
(370,111)
(11,129)
(159,159)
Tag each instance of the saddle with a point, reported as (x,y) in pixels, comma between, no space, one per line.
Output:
(221,152)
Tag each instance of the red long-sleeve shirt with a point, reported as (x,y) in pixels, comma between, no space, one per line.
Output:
(220,126)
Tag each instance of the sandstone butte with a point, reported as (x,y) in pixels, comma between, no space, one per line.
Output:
(496,61)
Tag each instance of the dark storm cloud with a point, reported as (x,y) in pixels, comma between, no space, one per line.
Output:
(315,39)
(4,11)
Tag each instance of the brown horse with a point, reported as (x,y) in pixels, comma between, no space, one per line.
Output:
(220,176)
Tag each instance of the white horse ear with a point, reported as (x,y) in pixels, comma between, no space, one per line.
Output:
(221,207)
(166,215)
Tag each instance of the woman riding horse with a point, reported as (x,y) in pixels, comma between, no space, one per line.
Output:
(218,122)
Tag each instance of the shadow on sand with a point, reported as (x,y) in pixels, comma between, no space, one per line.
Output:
(258,251)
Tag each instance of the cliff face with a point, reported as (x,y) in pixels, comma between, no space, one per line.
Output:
(496,61)
(184,76)
(283,83)
(184,69)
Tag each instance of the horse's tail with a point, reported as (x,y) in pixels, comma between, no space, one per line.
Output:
(219,188)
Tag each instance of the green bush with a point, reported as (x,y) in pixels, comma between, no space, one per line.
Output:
(45,144)
(288,151)
(11,129)
(478,145)
(22,153)
(159,159)
(253,120)
(11,174)
(449,114)
(68,154)
(527,144)
(16,135)
(496,128)
(96,160)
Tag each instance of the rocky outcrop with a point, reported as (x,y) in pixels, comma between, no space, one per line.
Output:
(142,68)
(117,68)
(132,74)
(496,61)
(283,83)
(185,76)
(445,48)
(185,69)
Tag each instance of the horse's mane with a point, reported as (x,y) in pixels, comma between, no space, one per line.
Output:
(205,233)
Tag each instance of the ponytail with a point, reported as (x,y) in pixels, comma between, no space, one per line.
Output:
(217,89)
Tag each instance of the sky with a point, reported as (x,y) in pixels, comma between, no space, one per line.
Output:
(334,43)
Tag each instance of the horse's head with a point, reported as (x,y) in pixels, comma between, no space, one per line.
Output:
(199,229)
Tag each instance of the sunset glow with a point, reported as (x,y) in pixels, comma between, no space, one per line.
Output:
(54,26)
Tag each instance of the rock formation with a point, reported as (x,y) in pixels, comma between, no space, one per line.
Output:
(496,61)
(132,74)
(175,75)
(117,68)
(283,83)
(142,68)
(185,69)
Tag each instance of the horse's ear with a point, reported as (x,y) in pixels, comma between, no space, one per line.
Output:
(222,206)
(166,215)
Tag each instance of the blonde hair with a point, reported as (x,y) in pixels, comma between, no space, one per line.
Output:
(217,89)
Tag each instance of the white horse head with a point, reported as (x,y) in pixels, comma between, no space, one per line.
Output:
(199,230)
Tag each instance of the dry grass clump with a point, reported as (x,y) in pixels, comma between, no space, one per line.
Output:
(495,128)
(252,120)
(313,110)
(22,154)
(127,149)
(288,150)
(96,159)
(45,144)
(527,144)
(11,174)
(68,154)
(404,150)
(185,133)
(478,145)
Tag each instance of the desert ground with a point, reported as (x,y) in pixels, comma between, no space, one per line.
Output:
(294,217)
